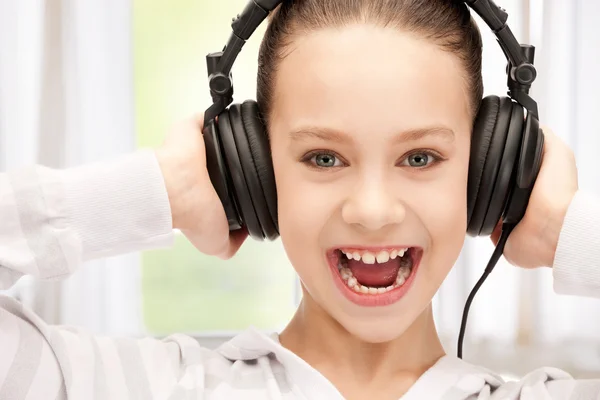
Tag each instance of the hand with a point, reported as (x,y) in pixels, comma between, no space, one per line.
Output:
(533,241)
(196,208)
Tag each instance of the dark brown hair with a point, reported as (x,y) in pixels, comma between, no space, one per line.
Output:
(447,23)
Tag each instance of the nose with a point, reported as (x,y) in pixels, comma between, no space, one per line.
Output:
(373,205)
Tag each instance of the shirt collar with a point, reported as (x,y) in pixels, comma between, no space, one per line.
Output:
(448,375)
(252,344)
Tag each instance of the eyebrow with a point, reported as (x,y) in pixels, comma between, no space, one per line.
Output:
(411,135)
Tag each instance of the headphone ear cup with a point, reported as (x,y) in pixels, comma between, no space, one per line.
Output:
(260,151)
(218,171)
(489,139)
(242,134)
(234,166)
(527,170)
(505,180)
(481,137)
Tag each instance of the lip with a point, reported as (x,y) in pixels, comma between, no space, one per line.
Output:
(380,299)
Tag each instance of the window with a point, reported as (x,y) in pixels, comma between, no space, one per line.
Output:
(182,289)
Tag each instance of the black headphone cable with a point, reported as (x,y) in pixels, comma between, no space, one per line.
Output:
(506,230)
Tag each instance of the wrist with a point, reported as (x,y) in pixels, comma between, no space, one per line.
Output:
(175,190)
(553,227)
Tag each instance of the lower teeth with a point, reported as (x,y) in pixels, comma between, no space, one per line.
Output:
(352,283)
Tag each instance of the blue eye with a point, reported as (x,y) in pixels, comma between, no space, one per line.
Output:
(325,160)
(420,159)
(322,159)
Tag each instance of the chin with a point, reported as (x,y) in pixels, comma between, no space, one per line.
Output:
(377,326)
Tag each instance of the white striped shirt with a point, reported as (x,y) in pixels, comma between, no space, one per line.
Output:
(54,220)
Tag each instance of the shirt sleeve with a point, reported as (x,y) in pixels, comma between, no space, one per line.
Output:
(45,362)
(576,268)
(53,220)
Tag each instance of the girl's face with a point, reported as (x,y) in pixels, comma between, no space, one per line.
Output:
(370,134)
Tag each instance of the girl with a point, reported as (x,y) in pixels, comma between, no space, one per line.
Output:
(371,162)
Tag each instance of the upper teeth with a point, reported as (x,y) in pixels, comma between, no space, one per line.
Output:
(369,257)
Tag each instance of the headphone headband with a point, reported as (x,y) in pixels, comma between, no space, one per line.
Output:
(520,70)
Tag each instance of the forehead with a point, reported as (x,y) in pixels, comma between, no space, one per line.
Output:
(360,76)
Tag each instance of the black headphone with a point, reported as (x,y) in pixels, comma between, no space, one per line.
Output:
(506,145)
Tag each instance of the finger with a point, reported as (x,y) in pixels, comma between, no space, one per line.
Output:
(547,131)
(199,119)
(236,239)
(549,139)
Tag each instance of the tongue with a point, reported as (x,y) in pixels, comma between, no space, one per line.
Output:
(375,275)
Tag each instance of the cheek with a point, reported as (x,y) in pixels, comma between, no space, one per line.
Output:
(305,203)
(444,209)
(445,218)
(304,208)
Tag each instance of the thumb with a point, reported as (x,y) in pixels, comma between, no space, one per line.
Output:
(236,239)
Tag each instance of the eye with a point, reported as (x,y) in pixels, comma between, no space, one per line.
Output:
(326,160)
(322,159)
(421,159)
(418,160)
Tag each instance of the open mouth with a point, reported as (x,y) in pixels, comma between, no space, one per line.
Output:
(374,276)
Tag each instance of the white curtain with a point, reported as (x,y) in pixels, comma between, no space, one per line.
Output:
(66,98)
(514,307)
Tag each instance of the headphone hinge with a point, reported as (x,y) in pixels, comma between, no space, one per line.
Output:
(521,77)
(221,86)
(523,98)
